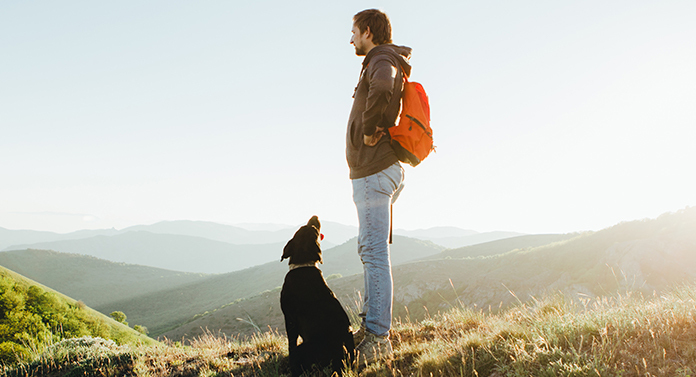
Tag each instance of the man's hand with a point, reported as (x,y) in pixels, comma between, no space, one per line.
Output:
(372,140)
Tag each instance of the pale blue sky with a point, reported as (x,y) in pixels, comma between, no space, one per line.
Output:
(549,116)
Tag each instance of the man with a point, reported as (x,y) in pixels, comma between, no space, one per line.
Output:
(375,172)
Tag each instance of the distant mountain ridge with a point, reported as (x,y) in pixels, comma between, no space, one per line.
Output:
(167,251)
(19,237)
(207,247)
(335,234)
(435,232)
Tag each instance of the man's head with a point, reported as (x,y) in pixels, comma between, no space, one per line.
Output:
(371,28)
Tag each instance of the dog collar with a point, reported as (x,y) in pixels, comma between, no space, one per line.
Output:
(294,266)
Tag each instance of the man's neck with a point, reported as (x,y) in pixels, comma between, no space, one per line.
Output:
(369,47)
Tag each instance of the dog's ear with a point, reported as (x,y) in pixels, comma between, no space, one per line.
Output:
(288,250)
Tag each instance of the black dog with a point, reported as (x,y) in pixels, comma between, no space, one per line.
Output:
(311,309)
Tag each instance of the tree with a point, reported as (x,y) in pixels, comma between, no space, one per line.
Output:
(141,329)
(119,317)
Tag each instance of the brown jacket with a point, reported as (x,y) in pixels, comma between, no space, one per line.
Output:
(376,103)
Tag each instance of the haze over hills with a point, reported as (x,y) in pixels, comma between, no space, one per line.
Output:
(167,251)
(335,234)
(206,247)
(259,234)
(471,239)
(19,237)
(646,256)
(503,245)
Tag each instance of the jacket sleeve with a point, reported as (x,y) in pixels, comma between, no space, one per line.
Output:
(382,74)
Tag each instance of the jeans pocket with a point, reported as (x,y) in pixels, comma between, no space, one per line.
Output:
(389,179)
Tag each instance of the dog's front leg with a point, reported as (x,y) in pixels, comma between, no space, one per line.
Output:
(295,358)
(349,345)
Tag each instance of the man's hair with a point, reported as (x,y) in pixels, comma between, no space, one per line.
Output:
(379,25)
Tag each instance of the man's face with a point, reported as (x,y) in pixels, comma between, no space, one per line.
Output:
(359,40)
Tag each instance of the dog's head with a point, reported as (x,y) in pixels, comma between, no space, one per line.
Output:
(304,245)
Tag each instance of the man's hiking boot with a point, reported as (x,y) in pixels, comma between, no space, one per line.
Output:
(372,348)
(359,335)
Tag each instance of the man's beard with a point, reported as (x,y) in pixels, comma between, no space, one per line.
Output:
(359,51)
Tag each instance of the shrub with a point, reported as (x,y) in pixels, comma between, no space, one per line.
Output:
(81,348)
(119,317)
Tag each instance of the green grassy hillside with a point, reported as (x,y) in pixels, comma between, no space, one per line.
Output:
(94,281)
(33,317)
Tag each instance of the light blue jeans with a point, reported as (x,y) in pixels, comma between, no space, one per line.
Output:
(373,196)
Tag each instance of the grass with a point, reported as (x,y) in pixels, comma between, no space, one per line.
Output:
(625,335)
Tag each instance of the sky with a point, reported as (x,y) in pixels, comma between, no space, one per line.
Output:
(548,116)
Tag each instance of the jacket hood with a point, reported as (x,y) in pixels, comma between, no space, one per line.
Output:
(402,55)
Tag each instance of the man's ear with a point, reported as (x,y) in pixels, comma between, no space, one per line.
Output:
(369,33)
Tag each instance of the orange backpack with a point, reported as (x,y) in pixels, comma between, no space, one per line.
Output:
(412,137)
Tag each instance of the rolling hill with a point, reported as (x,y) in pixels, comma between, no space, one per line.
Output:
(646,256)
(94,281)
(502,245)
(164,310)
(452,237)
